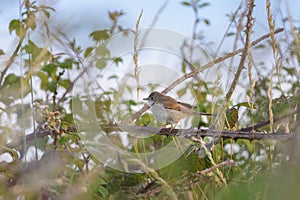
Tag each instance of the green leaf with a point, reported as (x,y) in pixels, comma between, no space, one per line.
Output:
(203,5)
(182,92)
(64,140)
(185,3)
(99,35)
(101,181)
(117,60)
(31,20)
(103,192)
(230,34)
(101,63)
(40,143)
(232,117)
(13,25)
(67,64)
(102,51)
(44,79)
(65,83)
(115,15)
(246,104)
(17,26)
(131,103)
(145,119)
(46,13)
(11,79)
(88,51)
(79,163)
(50,69)
(112,77)
(290,71)
(68,118)
(51,86)
(1,52)
(260,46)
(206,21)
(183,67)
(33,49)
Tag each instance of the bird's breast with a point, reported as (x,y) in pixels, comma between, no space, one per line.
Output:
(166,115)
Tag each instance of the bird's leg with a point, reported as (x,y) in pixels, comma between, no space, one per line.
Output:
(170,126)
(173,126)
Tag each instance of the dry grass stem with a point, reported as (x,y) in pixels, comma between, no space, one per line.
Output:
(135,54)
(271,102)
(220,178)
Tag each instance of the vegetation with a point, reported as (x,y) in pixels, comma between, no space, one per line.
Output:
(48,114)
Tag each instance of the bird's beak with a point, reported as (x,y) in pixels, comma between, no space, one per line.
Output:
(146,99)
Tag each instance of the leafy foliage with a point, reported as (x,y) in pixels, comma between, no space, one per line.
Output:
(46,159)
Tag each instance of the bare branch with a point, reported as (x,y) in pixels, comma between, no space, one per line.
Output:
(187,133)
(11,59)
(227,162)
(201,69)
(234,83)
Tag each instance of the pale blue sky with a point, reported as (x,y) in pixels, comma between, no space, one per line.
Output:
(79,18)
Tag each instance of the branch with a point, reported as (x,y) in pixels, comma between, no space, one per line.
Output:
(227,162)
(55,88)
(188,133)
(11,59)
(40,133)
(234,83)
(201,69)
(267,122)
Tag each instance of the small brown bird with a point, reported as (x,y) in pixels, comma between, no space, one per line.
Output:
(168,110)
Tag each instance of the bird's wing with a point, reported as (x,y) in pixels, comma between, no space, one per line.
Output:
(172,104)
(179,106)
(185,104)
(182,107)
(187,108)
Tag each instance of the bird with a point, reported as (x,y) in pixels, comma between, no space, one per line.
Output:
(168,110)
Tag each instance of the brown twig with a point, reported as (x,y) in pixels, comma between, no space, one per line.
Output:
(188,133)
(11,59)
(204,67)
(227,162)
(234,83)
(267,122)
(55,88)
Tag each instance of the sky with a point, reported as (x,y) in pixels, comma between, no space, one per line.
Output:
(79,18)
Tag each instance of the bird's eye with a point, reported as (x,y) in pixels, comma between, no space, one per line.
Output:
(151,98)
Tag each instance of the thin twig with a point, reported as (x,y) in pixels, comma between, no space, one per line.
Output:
(80,60)
(227,162)
(245,133)
(11,60)
(234,15)
(159,12)
(167,188)
(153,22)
(55,89)
(234,83)
(220,176)
(204,67)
